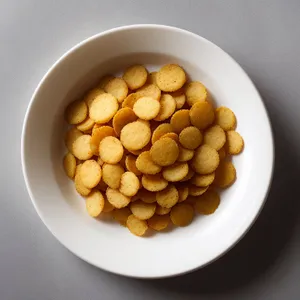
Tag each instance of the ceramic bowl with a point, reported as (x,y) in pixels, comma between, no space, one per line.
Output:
(102,242)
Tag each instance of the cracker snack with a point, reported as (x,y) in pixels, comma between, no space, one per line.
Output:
(135,76)
(146,108)
(170,78)
(135,135)
(150,149)
(103,108)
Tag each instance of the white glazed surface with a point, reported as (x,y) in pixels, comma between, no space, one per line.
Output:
(104,243)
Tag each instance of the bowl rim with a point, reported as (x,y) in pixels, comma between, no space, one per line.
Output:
(124,28)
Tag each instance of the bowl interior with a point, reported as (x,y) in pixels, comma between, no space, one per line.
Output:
(103,242)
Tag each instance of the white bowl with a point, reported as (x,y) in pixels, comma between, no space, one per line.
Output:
(106,244)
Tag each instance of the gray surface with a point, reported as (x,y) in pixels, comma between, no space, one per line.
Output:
(263,36)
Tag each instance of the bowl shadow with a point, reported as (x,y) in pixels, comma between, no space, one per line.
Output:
(257,252)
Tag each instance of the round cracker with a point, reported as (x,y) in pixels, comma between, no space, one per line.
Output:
(185,154)
(159,223)
(90,173)
(182,214)
(82,147)
(167,197)
(161,130)
(205,160)
(86,125)
(130,163)
(146,165)
(195,92)
(136,226)
(135,76)
(103,108)
(183,192)
(94,203)
(76,112)
(167,107)
(149,90)
(180,120)
(79,186)
(175,172)
(104,81)
(146,108)
(71,136)
(129,184)
(225,118)
(92,95)
(154,183)
(121,215)
(225,174)
(203,180)
(214,137)
(171,135)
(170,78)
(196,190)
(98,135)
(235,142)
(135,135)
(111,150)
(142,210)
(202,114)
(161,211)
(190,137)
(179,97)
(69,164)
(164,152)
(111,175)
(130,100)
(116,198)
(123,117)
(118,88)
(207,203)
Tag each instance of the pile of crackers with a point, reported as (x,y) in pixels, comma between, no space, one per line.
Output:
(150,149)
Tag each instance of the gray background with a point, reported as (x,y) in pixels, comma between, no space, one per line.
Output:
(263,36)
